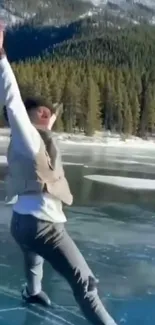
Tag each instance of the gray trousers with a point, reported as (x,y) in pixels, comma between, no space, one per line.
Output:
(41,240)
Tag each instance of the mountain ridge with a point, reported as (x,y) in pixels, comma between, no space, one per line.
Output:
(60,12)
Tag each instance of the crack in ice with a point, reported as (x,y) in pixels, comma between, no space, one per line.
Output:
(11,309)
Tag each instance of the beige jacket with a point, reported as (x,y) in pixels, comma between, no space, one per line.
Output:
(43,174)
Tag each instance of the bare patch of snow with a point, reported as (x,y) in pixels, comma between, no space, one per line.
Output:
(103,139)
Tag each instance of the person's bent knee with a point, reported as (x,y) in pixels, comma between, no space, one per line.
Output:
(92,284)
(85,286)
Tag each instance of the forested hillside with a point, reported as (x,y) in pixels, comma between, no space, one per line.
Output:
(105,76)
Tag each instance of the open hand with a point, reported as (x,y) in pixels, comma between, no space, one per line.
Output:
(58,111)
(52,121)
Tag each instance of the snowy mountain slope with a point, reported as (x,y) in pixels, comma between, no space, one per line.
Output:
(58,12)
(147,3)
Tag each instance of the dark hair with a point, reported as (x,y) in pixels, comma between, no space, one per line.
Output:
(31,103)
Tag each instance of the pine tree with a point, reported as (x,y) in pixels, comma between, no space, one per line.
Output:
(135,108)
(93,117)
(127,115)
(108,103)
(118,101)
(45,91)
(151,110)
(71,104)
(143,106)
(118,108)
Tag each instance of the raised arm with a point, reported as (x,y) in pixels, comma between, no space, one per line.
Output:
(24,135)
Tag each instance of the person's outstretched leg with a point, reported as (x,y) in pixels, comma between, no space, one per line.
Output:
(57,247)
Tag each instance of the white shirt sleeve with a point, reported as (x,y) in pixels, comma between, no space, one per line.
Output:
(25,137)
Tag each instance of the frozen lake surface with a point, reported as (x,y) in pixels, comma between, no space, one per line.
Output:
(114,226)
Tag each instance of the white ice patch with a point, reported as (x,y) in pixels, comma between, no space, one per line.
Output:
(124,182)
